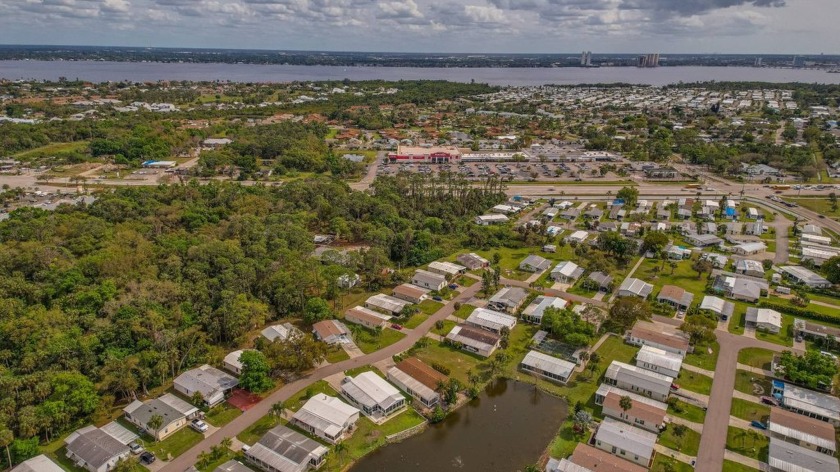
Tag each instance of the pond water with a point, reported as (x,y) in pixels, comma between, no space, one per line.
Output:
(506,428)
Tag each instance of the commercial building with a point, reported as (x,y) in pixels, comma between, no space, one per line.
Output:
(368,318)
(417,379)
(548,367)
(474,340)
(625,441)
(284,450)
(431,155)
(659,360)
(213,384)
(373,395)
(639,380)
(490,320)
(326,417)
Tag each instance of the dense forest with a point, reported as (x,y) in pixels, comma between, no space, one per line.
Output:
(101,303)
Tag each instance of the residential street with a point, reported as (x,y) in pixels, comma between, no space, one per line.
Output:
(249,417)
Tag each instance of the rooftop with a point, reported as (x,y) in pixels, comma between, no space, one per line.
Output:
(789,457)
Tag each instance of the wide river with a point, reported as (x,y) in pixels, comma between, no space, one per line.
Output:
(506,428)
(99,71)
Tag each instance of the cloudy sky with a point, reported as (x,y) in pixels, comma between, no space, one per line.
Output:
(667,26)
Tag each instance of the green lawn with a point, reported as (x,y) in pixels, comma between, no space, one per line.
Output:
(458,361)
(415,320)
(683,276)
(819,205)
(429,306)
(222,414)
(465,281)
(747,381)
(749,411)
(176,444)
(662,463)
(336,354)
(369,341)
(730,466)
(695,382)
(784,337)
(701,357)
(750,443)
(54,149)
(368,437)
(756,357)
(688,412)
(60,456)
(211,466)
(297,400)
(358,370)
(253,433)
(464,311)
(447,327)
(689,443)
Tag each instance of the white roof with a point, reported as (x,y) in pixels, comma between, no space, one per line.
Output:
(764,316)
(623,436)
(232,359)
(751,247)
(326,413)
(282,331)
(789,457)
(371,390)
(579,235)
(447,267)
(491,319)
(493,217)
(564,465)
(119,432)
(642,378)
(636,286)
(413,384)
(803,274)
(565,268)
(717,305)
(808,400)
(549,364)
(38,464)
(538,306)
(659,357)
(750,265)
(387,302)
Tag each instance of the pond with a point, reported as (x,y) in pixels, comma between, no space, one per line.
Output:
(506,428)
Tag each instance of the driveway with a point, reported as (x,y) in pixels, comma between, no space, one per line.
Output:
(713,441)
(263,408)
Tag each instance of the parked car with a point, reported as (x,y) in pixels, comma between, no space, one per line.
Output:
(198,425)
(136,448)
(453,286)
(147,458)
(437,298)
(769,400)
(675,387)
(396,326)
(758,424)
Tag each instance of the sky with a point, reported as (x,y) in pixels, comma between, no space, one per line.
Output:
(480,26)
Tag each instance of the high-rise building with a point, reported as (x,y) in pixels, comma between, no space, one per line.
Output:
(648,60)
(586,58)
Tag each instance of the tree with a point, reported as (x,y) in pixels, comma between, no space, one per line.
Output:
(679,432)
(255,369)
(278,409)
(701,266)
(6,438)
(630,195)
(654,241)
(155,423)
(625,403)
(317,309)
(626,311)
(831,269)
(832,197)
(197,399)
(294,355)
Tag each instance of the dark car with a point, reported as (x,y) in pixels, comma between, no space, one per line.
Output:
(769,400)
(396,326)
(453,286)
(758,424)
(437,298)
(147,458)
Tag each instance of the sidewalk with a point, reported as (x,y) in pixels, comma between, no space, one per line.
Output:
(747,461)
(698,370)
(755,370)
(745,396)
(744,424)
(689,424)
(697,397)
(660,449)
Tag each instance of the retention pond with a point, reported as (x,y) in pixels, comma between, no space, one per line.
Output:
(506,428)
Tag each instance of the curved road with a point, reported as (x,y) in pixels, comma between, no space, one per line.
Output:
(230,430)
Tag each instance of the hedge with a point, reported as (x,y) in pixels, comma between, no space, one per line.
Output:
(800,312)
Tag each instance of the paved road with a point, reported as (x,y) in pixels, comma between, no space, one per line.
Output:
(230,430)
(713,441)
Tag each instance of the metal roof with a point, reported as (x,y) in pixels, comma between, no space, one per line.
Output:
(799,398)
(629,438)
(491,319)
(371,390)
(802,428)
(407,381)
(286,450)
(387,302)
(639,377)
(94,446)
(717,305)
(659,357)
(788,457)
(38,464)
(546,363)
(325,413)
(119,432)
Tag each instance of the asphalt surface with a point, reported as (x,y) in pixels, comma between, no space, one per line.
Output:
(249,417)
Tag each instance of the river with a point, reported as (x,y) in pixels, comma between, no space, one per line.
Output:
(506,428)
(102,71)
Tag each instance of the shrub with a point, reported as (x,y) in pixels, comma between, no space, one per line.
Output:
(441,368)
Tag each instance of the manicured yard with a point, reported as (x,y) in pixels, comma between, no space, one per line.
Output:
(458,361)
(464,311)
(695,382)
(688,412)
(253,433)
(749,411)
(784,337)
(689,443)
(222,414)
(336,354)
(701,357)
(369,341)
(683,276)
(751,383)
(750,443)
(415,320)
(447,327)
(819,205)
(297,400)
(429,306)
(756,357)
(358,370)
(465,281)
(662,463)
(730,466)
(211,466)
(176,444)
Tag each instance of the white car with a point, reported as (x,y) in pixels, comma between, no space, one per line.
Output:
(198,425)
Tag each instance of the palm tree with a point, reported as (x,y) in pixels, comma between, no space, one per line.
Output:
(155,422)
(226,443)
(278,409)
(6,439)
(626,403)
